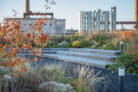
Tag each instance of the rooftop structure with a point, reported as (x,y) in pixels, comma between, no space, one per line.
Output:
(53,26)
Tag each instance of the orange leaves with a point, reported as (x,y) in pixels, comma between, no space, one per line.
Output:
(28,35)
(37,59)
(39,19)
(27,46)
(11,36)
(14,62)
(42,38)
(1,45)
(38,52)
(13,52)
(125,35)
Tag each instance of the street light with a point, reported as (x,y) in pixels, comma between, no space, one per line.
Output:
(121,46)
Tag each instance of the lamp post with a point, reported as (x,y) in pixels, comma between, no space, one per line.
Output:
(121,78)
(121,46)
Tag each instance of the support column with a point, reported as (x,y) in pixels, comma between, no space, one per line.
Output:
(27,8)
(136,15)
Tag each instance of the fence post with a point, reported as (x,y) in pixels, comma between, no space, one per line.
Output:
(121,78)
(121,47)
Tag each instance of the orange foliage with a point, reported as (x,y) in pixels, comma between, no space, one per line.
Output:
(13,40)
(125,35)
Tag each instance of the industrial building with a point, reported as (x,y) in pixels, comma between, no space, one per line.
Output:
(104,21)
(97,20)
(53,26)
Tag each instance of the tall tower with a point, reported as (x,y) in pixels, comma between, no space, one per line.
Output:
(98,20)
(27,7)
(113,19)
(83,22)
(89,22)
(136,15)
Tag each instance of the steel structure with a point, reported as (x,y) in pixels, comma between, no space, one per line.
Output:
(97,20)
(136,15)
(28,12)
(42,14)
(135,22)
(27,8)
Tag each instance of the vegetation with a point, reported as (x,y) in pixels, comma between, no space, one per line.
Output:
(50,77)
(129,57)
(129,61)
(18,74)
(109,41)
(76,44)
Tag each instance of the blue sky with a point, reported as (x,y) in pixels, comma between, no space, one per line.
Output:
(69,9)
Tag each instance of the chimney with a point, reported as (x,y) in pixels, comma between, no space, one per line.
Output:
(136,15)
(27,7)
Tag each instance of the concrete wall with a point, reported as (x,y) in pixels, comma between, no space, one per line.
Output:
(89,22)
(113,19)
(52,27)
(82,22)
(98,21)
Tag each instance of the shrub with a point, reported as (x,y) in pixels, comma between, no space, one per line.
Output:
(111,46)
(59,39)
(129,61)
(51,44)
(100,44)
(68,45)
(76,44)
(100,37)
(64,44)
(84,43)
(74,38)
(127,35)
(87,80)
(67,39)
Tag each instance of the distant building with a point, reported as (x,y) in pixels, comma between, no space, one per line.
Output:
(71,31)
(53,26)
(97,20)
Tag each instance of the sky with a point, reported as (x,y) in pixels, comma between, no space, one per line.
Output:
(69,9)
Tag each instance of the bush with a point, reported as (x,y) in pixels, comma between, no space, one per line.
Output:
(51,44)
(129,61)
(84,43)
(68,45)
(111,46)
(99,44)
(74,38)
(100,37)
(59,39)
(76,44)
(67,39)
